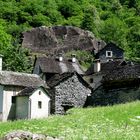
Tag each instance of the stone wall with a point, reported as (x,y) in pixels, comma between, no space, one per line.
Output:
(70,93)
(102,96)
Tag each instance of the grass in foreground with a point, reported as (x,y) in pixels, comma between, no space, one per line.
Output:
(119,122)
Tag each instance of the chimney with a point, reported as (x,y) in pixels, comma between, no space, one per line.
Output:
(1,62)
(60,57)
(97,66)
(73,58)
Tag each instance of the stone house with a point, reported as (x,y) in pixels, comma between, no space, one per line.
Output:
(109,53)
(47,67)
(67,90)
(97,70)
(115,82)
(32,102)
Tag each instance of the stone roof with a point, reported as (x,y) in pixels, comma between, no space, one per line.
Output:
(123,73)
(58,38)
(105,67)
(28,91)
(20,79)
(117,70)
(109,45)
(57,78)
(53,65)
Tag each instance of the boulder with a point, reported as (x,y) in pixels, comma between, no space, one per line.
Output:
(46,40)
(25,135)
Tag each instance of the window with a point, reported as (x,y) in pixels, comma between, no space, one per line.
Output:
(108,53)
(39,104)
(91,80)
(39,93)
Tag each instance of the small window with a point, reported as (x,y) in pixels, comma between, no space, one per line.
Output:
(91,80)
(39,93)
(39,104)
(108,53)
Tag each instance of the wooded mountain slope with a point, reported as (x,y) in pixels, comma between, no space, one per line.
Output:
(110,20)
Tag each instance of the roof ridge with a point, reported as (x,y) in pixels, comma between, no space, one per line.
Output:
(20,73)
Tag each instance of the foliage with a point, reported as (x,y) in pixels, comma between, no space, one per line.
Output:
(119,122)
(85,58)
(110,20)
(14,57)
(114,30)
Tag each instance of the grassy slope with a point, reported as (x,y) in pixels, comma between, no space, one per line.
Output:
(118,122)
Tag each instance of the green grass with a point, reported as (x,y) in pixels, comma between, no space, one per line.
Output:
(119,122)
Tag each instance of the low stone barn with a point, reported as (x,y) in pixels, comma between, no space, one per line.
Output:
(118,85)
(47,67)
(32,102)
(67,90)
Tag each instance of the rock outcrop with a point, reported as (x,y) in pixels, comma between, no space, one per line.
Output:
(24,135)
(59,39)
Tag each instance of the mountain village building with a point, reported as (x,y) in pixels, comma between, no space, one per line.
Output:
(47,67)
(110,52)
(67,90)
(11,83)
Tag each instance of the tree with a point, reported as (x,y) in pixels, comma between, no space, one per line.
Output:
(134,37)
(91,20)
(115,30)
(15,58)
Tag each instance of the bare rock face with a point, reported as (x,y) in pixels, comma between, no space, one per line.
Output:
(59,39)
(24,135)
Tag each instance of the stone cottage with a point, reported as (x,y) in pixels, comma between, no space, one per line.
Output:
(47,67)
(97,70)
(116,82)
(67,90)
(32,102)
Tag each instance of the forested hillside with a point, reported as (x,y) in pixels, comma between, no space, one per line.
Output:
(109,20)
